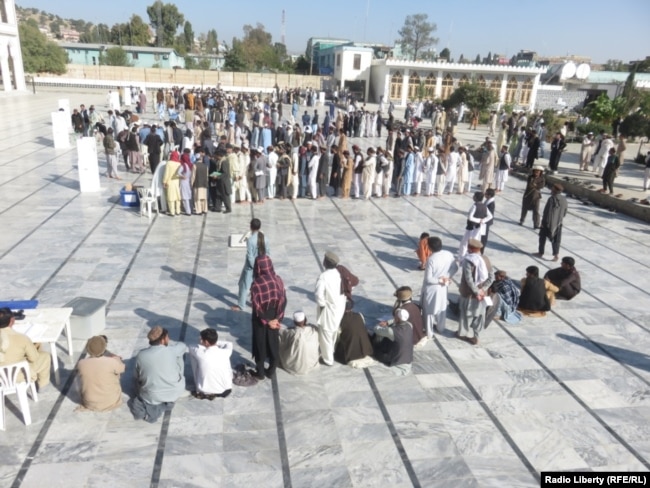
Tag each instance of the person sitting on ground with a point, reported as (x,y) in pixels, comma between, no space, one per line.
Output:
(404,296)
(535,300)
(423,250)
(210,360)
(16,347)
(99,377)
(354,341)
(299,346)
(566,278)
(159,376)
(508,293)
(393,344)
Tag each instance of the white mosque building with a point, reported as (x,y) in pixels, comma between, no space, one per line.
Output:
(12,73)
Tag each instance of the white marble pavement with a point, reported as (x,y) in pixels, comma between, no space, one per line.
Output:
(567,392)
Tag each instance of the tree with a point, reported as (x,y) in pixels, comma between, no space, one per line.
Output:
(98,34)
(477,60)
(190,62)
(188,36)
(301,65)
(165,19)
(114,56)
(605,110)
(137,32)
(416,34)
(635,125)
(212,42)
(39,54)
(614,65)
(462,59)
(477,98)
(445,54)
(234,58)
(204,64)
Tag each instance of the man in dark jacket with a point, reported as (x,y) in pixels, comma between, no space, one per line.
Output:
(551,229)
(566,278)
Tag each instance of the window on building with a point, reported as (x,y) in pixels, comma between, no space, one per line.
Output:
(357,62)
(414,86)
(495,86)
(511,90)
(338,60)
(526,92)
(481,82)
(396,82)
(135,55)
(447,87)
(430,86)
(463,81)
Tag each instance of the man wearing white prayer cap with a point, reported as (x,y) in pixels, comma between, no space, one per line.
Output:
(393,344)
(299,346)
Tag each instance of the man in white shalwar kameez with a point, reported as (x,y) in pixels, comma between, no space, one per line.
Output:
(441,267)
(299,346)
(330,307)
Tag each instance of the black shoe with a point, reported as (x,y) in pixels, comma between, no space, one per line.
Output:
(228,211)
(258,375)
(270,373)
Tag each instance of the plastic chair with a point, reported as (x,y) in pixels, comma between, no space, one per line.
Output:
(144,150)
(8,385)
(147,201)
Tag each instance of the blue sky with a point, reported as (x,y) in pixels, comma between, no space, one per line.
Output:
(599,29)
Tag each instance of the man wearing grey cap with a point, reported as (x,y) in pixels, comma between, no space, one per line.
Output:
(476,279)
(330,306)
(159,374)
(299,346)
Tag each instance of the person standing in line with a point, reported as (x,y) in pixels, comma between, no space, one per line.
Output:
(408,171)
(111,157)
(505,162)
(358,170)
(256,245)
(369,171)
(313,172)
(269,300)
(551,229)
(488,162)
(224,182)
(323,171)
(171,183)
(200,183)
(330,306)
(347,166)
(185,175)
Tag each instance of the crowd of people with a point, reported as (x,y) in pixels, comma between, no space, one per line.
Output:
(213,149)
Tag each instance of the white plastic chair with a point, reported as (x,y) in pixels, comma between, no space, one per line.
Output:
(144,150)
(8,385)
(147,202)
